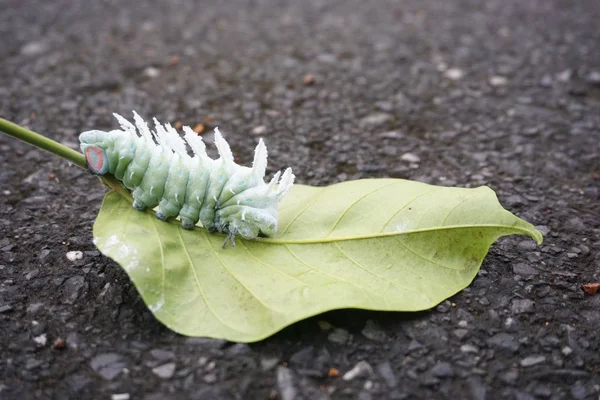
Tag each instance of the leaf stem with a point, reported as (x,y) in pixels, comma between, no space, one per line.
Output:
(42,142)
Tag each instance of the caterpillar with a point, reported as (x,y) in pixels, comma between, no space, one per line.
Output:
(156,167)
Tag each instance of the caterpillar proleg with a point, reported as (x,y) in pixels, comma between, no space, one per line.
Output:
(156,167)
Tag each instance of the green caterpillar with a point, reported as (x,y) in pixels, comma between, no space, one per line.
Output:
(155,166)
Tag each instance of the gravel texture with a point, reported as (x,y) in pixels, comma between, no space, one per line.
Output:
(504,93)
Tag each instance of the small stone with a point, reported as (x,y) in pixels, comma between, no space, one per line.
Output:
(5,308)
(460,333)
(504,341)
(74,255)
(409,157)
(374,332)
(34,48)
(164,371)
(361,369)
(454,74)
(477,388)
(564,76)
(442,370)
(285,383)
(73,341)
(546,80)
(594,78)
(59,344)
(73,288)
(524,269)
(463,324)
(151,72)
(308,79)
(414,345)
(324,325)
(575,224)
(386,372)
(32,274)
(41,340)
(579,391)
(520,306)
(498,81)
(384,106)
(339,335)
(207,343)
(392,135)
(376,119)
(567,351)
(259,130)
(469,348)
(32,363)
(108,365)
(510,377)
(532,360)
(515,200)
(268,363)
(162,355)
(120,396)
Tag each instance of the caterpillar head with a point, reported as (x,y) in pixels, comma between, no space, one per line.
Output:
(95,145)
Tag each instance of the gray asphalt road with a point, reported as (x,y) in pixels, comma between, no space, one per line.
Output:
(504,93)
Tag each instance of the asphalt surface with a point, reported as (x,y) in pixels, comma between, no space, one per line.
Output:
(504,93)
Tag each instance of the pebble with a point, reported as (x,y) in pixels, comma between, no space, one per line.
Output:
(594,78)
(498,81)
(579,391)
(524,269)
(503,341)
(510,377)
(34,48)
(392,135)
(478,389)
(460,333)
(376,119)
(361,369)
(73,288)
(386,372)
(268,363)
(469,348)
(414,345)
(567,351)
(532,360)
(454,74)
(151,72)
(162,355)
(409,157)
(374,332)
(5,308)
(442,370)
(164,371)
(108,365)
(120,396)
(285,383)
(41,340)
(520,306)
(259,130)
(73,341)
(339,335)
(74,255)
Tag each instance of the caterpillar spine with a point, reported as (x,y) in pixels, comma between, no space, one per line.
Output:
(156,167)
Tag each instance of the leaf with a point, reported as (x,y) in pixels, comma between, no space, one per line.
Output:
(381,244)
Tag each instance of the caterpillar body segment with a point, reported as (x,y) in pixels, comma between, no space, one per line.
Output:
(155,166)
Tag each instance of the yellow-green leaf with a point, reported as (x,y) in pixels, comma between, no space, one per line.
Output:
(380,244)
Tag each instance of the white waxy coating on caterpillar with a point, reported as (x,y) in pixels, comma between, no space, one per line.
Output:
(155,166)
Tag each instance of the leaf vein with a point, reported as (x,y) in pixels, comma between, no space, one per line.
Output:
(379,276)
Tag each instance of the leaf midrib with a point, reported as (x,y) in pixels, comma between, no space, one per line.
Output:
(521,230)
